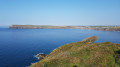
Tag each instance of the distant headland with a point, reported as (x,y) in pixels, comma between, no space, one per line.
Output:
(104,28)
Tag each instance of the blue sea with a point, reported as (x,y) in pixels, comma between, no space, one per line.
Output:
(18,47)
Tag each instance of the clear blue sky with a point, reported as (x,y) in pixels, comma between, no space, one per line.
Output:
(60,12)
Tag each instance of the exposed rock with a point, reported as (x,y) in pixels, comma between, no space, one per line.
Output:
(41,56)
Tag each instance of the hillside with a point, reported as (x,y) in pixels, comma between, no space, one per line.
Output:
(85,53)
(105,28)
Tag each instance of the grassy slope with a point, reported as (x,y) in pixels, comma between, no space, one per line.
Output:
(83,54)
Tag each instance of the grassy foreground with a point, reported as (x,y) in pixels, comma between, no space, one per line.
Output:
(83,54)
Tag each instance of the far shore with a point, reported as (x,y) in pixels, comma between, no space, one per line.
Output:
(104,28)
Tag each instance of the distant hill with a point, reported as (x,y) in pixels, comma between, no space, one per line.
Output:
(105,28)
(83,54)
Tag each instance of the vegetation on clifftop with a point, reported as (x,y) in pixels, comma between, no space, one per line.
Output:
(105,28)
(83,54)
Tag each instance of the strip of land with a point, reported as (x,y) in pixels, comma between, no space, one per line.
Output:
(84,53)
(104,28)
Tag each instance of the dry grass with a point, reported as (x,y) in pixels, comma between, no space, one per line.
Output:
(83,54)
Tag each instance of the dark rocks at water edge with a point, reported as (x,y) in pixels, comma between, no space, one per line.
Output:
(41,56)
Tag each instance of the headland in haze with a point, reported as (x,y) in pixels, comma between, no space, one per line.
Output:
(104,28)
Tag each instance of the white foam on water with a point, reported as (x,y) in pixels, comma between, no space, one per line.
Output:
(37,55)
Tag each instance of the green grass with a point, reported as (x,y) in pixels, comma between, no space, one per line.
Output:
(83,54)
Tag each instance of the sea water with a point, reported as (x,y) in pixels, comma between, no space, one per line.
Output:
(18,47)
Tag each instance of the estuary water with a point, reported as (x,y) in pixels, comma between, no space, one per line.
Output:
(18,47)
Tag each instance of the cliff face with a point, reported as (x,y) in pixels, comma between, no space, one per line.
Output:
(25,27)
(83,54)
(40,27)
(105,28)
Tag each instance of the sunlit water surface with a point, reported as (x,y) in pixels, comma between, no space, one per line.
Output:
(19,46)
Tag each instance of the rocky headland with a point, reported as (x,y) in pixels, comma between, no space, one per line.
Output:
(104,28)
(84,53)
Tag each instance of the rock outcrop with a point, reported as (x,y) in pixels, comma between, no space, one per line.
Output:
(41,56)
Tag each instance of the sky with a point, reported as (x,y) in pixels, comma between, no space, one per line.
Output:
(59,12)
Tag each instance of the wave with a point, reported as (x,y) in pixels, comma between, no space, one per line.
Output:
(37,55)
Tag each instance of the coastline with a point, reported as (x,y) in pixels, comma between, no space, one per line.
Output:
(40,56)
(37,57)
(75,54)
(103,28)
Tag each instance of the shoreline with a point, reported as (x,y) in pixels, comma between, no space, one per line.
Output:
(79,29)
(38,58)
(83,49)
(103,28)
